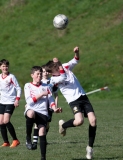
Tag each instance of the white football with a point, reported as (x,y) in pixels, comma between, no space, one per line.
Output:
(60,21)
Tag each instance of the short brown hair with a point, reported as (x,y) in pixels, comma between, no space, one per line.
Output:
(36,68)
(4,61)
(52,66)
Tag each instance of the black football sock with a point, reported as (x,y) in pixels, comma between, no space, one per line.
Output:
(35,135)
(92,134)
(4,133)
(68,124)
(29,125)
(43,146)
(11,130)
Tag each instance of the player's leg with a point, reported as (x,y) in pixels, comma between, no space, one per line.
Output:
(7,115)
(30,115)
(78,118)
(35,137)
(50,113)
(42,122)
(92,127)
(43,142)
(91,135)
(3,128)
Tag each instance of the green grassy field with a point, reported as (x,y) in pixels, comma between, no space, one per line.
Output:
(108,143)
(28,38)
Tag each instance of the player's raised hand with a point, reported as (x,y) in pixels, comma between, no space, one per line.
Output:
(55,59)
(76,49)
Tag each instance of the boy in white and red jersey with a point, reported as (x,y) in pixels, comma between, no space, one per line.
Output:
(37,96)
(10,92)
(54,89)
(78,101)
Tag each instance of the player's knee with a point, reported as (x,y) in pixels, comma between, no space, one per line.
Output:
(30,114)
(42,130)
(93,121)
(78,122)
(6,121)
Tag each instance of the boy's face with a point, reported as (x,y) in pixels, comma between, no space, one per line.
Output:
(4,68)
(36,76)
(45,74)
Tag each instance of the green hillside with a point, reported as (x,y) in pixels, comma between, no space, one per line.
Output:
(27,38)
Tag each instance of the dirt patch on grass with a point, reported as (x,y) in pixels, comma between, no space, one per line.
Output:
(17,2)
(118,18)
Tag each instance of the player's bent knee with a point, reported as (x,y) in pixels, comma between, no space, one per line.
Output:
(6,121)
(30,113)
(78,122)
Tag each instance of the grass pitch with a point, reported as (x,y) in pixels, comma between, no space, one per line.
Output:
(108,144)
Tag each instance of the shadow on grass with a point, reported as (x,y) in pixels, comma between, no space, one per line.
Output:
(98,158)
(49,143)
(79,159)
(116,145)
(105,158)
(75,142)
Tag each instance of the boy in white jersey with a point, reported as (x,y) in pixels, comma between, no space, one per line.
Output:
(45,80)
(78,101)
(10,92)
(37,97)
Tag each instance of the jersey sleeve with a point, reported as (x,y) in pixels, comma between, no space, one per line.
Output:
(50,98)
(30,100)
(17,87)
(71,64)
(58,79)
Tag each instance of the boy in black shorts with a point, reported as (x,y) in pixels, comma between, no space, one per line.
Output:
(10,92)
(54,89)
(77,99)
(37,96)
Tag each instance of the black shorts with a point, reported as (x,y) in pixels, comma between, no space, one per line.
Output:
(40,119)
(7,108)
(82,104)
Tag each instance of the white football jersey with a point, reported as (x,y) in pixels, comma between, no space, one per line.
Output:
(40,105)
(9,89)
(71,88)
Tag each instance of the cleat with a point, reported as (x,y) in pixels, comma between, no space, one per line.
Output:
(62,131)
(89,151)
(5,144)
(15,143)
(34,146)
(29,144)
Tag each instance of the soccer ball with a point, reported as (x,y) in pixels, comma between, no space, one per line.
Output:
(60,21)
